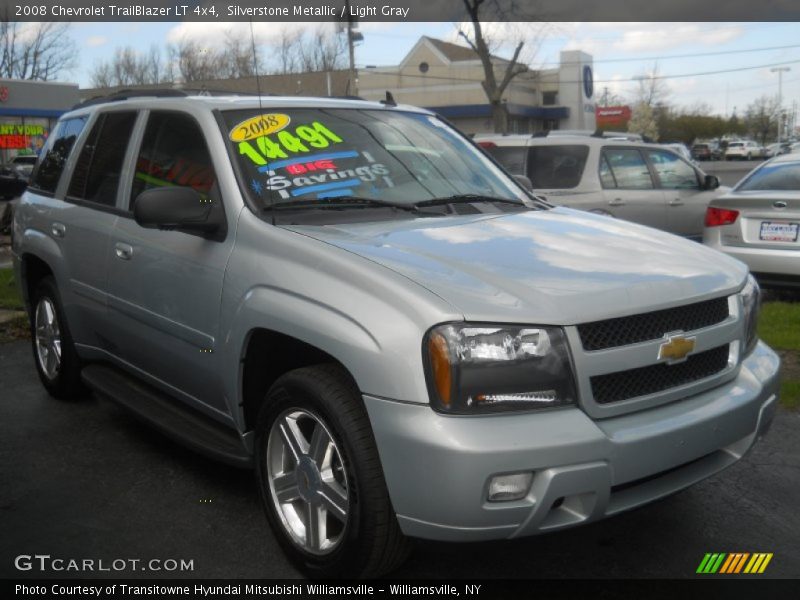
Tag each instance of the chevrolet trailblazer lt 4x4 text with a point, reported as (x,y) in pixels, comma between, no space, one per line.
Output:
(356,301)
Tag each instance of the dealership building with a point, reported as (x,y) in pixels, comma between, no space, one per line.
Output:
(28,112)
(445,78)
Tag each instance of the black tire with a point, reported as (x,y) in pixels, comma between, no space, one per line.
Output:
(64,382)
(323,400)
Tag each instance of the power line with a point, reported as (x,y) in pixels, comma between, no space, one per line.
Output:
(670,56)
(630,79)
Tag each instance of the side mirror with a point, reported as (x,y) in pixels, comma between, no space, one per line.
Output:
(524,182)
(711,182)
(176,208)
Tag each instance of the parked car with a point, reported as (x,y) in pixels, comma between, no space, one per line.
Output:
(25,163)
(706,151)
(743,150)
(643,183)
(680,149)
(777,149)
(758,221)
(355,301)
(13,181)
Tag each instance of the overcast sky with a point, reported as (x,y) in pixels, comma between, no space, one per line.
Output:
(689,55)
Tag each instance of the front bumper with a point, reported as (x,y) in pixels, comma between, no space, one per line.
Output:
(438,468)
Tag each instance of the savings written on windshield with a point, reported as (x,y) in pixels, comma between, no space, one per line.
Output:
(390,156)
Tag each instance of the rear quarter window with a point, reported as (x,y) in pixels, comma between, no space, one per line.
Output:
(54,155)
(557,167)
(513,158)
(777,177)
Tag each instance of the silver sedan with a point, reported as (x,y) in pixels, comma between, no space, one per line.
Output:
(759,220)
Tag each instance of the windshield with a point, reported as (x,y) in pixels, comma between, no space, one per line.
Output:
(303,157)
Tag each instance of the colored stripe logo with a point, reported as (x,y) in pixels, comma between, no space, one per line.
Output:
(734,563)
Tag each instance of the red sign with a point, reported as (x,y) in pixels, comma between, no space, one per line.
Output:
(14,142)
(612,116)
(3,93)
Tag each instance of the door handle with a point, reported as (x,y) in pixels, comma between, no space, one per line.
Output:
(616,202)
(676,202)
(123,251)
(58,230)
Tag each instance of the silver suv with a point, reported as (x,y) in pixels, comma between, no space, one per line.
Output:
(352,299)
(644,183)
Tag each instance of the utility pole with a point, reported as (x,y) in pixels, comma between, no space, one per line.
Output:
(353,36)
(780,71)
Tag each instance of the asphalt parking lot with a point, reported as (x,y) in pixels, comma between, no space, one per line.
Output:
(84,480)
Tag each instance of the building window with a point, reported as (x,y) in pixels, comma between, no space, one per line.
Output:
(423,67)
(549,98)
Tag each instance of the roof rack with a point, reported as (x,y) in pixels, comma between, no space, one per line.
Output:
(127,94)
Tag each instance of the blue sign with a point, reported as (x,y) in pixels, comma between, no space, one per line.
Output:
(588,81)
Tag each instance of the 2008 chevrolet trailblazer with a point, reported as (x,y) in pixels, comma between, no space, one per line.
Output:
(356,301)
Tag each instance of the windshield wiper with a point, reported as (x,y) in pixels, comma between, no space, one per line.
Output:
(345,202)
(466,199)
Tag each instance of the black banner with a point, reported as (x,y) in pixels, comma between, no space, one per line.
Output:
(547,589)
(394,10)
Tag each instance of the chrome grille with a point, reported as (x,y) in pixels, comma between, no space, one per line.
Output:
(623,331)
(643,381)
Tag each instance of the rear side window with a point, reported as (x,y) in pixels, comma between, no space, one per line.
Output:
(174,153)
(557,167)
(780,176)
(511,157)
(97,172)
(626,169)
(55,153)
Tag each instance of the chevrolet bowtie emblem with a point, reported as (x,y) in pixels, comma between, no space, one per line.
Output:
(676,348)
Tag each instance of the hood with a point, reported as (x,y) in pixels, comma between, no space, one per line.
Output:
(558,266)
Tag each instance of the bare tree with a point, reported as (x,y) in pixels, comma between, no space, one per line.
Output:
(40,51)
(288,52)
(323,50)
(238,56)
(496,80)
(761,118)
(195,62)
(651,89)
(128,67)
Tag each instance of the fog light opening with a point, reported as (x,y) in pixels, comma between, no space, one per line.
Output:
(557,502)
(510,487)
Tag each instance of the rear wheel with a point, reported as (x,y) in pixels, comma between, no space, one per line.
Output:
(320,477)
(54,352)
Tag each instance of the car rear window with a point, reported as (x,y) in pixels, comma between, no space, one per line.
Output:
(783,176)
(557,166)
(511,157)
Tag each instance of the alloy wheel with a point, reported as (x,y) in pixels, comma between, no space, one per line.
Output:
(307,481)
(48,338)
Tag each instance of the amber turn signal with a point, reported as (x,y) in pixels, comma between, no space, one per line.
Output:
(440,366)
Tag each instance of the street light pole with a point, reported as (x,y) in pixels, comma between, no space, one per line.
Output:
(780,71)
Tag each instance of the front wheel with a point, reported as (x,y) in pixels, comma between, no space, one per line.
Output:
(320,477)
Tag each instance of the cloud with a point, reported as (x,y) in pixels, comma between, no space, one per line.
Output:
(96,40)
(636,37)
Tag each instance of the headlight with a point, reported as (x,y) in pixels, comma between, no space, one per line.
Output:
(751,304)
(476,368)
